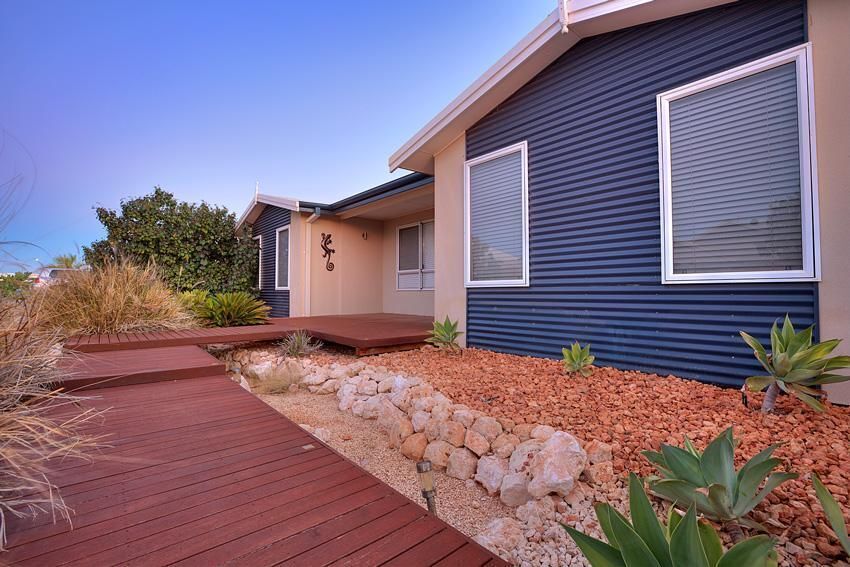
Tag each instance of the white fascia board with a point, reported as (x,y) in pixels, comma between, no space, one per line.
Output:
(546,42)
(259,201)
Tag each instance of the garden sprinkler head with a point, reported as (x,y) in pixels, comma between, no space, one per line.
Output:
(426,484)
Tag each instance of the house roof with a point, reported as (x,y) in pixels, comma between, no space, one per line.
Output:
(259,202)
(554,36)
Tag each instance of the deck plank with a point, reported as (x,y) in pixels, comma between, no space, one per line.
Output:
(202,472)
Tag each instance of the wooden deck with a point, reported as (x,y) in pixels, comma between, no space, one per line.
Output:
(366,333)
(201,472)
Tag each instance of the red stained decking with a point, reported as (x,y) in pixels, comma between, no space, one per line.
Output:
(200,472)
(366,333)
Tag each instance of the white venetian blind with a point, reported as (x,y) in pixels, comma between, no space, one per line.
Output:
(408,258)
(282,259)
(736,176)
(496,219)
(428,262)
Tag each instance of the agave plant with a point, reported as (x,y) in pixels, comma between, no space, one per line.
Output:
(444,335)
(233,309)
(833,513)
(646,541)
(710,482)
(578,359)
(795,365)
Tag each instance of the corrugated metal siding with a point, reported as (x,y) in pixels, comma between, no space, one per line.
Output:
(590,122)
(271,219)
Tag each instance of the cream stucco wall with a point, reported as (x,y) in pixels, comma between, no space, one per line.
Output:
(829,32)
(407,301)
(450,293)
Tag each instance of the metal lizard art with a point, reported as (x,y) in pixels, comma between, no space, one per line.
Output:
(327,251)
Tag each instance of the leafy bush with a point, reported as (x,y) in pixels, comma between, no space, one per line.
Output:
(645,540)
(40,425)
(193,245)
(299,344)
(795,365)
(233,309)
(117,297)
(194,300)
(578,359)
(833,513)
(709,481)
(444,335)
(15,284)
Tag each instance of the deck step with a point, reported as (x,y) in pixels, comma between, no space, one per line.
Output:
(86,371)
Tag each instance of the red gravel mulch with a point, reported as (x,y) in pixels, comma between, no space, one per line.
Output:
(634,411)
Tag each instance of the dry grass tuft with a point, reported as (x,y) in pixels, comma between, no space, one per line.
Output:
(119,297)
(39,423)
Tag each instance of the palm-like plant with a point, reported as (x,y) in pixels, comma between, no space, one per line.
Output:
(65,261)
(833,513)
(578,359)
(795,365)
(709,481)
(646,541)
(233,309)
(444,335)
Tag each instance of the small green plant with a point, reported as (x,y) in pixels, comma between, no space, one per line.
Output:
(709,480)
(233,309)
(195,299)
(444,335)
(578,359)
(299,344)
(13,285)
(684,541)
(794,365)
(833,513)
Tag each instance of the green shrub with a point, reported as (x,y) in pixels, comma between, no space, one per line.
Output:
(195,299)
(118,297)
(193,245)
(444,335)
(709,480)
(795,365)
(233,309)
(14,285)
(646,541)
(299,344)
(833,513)
(578,359)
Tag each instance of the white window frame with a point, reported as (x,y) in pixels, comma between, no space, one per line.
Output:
(421,270)
(259,239)
(521,147)
(802,57)
(277,285)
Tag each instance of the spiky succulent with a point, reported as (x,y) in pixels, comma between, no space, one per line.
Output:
(646,541)
(709,480)
(444,335)
(795,365)
(833,513)
(233,309)
(578,359)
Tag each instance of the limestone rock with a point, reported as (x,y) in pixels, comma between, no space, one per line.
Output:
(258,371)
(420,420)
(462,464)
(514,489)
(557,466)
(442,412)
(432,430)
(476,442)
(452,431)
(489,427)
(385,386)
(399,431)
(600,473)
(347,395)
(598,452)
(315,379)
(322,434)
(367,387)
(490,472)
(542,432)
(464,417)
(438,453)
(328,387)
(523,431)
(536,513)
(505,444)
(414,446)
(507,423)
(424,403)
(502,534)
(523,455)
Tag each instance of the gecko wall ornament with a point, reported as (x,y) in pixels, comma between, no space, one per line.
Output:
(327,251)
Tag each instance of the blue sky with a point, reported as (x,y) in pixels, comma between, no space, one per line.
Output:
(102,100)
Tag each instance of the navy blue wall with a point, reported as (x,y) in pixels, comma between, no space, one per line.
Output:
(590,122)
(271,219)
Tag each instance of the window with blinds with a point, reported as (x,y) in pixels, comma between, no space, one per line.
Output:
(496,199)
(281,267)
(736,175)
(416,256)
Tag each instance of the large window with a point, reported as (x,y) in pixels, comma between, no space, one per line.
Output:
(737,184)
(281,266)
(496,223)
(415,256)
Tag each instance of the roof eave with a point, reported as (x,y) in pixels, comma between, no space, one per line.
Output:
(259,202)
